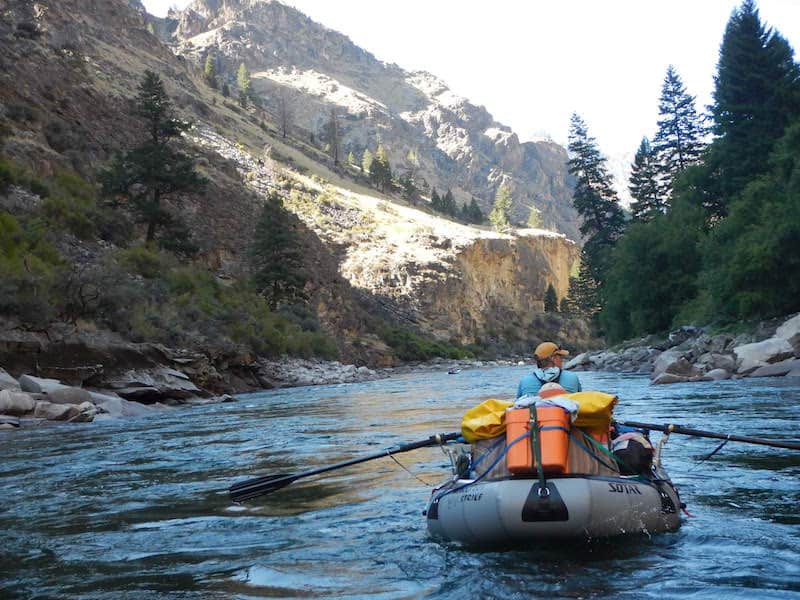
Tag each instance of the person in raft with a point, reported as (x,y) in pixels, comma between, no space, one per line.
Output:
(549,358)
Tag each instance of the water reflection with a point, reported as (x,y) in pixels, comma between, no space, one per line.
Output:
(138,508)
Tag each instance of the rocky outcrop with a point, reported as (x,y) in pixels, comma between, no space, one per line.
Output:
(455,144)
(689,354)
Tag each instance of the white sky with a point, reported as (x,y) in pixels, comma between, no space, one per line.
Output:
(532,63)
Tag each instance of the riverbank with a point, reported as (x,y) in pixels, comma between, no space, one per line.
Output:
(88,378)
(768,349)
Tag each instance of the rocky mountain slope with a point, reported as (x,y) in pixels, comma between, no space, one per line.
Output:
(457,144)
(70,67)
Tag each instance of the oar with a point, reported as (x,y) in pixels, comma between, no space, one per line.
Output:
(669,428)
(251,488)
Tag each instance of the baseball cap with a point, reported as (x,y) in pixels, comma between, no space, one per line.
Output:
(548,349)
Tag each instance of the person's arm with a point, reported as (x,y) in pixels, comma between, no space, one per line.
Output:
(519,388)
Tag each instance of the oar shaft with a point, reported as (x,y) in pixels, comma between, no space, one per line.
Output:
(670,428)
(252,487)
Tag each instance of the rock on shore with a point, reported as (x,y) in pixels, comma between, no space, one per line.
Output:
(690,354)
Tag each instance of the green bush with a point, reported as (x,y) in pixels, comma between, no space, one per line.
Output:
(409,346)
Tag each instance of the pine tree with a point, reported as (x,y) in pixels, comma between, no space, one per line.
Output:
(475,212)
(643,185)
(245,85)
(226,90)
(154,172)
(380,172)
(535,218)
(594,198)
(366,161)
(436,201)
(210,72)
(550,299)
(449,206)
(277,255)
(332,130)
(678,142)
(500,215)
(351,158)
(756,95)
(584,291)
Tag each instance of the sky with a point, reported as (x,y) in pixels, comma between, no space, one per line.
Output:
(533,63)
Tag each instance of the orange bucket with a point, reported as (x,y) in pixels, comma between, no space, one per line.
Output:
(554,436)
(518,457)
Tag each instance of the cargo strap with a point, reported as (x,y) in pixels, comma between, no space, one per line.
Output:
(595,443)
(536,444)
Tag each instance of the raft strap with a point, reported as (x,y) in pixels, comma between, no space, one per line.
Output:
(536,443)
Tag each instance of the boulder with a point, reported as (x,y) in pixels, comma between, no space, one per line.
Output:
(7,382)
(720,343)
(664,360)
(759,354)
(55,412)
(778,369)
(16,403)
(87,413)
(789,329)
(669,378)
(69,395)
(580,360)
(716,375)
(39,385)
(153,385)
(119,407)
(711,361)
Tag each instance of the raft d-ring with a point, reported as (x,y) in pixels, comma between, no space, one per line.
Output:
(543,492)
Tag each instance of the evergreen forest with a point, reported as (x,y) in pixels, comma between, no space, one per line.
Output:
(714,227)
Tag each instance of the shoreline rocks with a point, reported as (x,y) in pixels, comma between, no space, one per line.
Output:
(690,354)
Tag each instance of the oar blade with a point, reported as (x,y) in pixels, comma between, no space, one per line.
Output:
(261,486)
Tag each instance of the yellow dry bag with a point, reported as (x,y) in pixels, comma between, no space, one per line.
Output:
(594,409)
(487,420)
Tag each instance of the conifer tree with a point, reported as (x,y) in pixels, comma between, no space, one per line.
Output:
(475,212)
(277,255)
(333,136)
(550,299)
(594,198)
(210,72)
(351,158)
(534,218)
(436,201)
(756,95)
(500,215)
(226,90)
(245,85)
(380,172)
(678,142)
(449,206)
(366,161)
(154,172)
(643,184)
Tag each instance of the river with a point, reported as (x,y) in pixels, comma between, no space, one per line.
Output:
(138,508)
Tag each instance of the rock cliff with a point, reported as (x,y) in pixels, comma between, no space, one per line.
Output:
(454,143)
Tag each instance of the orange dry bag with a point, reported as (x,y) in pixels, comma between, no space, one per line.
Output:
(553,433)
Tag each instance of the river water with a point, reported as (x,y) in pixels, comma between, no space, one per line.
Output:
(138,508)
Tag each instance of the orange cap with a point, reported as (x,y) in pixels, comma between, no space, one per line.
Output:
(548,349)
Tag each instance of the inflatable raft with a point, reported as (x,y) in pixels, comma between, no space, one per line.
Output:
(517,509)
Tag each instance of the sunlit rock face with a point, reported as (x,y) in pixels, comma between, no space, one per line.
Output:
(458,145)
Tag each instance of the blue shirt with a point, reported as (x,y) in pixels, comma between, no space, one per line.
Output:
(531,383)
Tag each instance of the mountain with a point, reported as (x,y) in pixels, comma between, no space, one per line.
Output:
(457,145)
(376,263)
